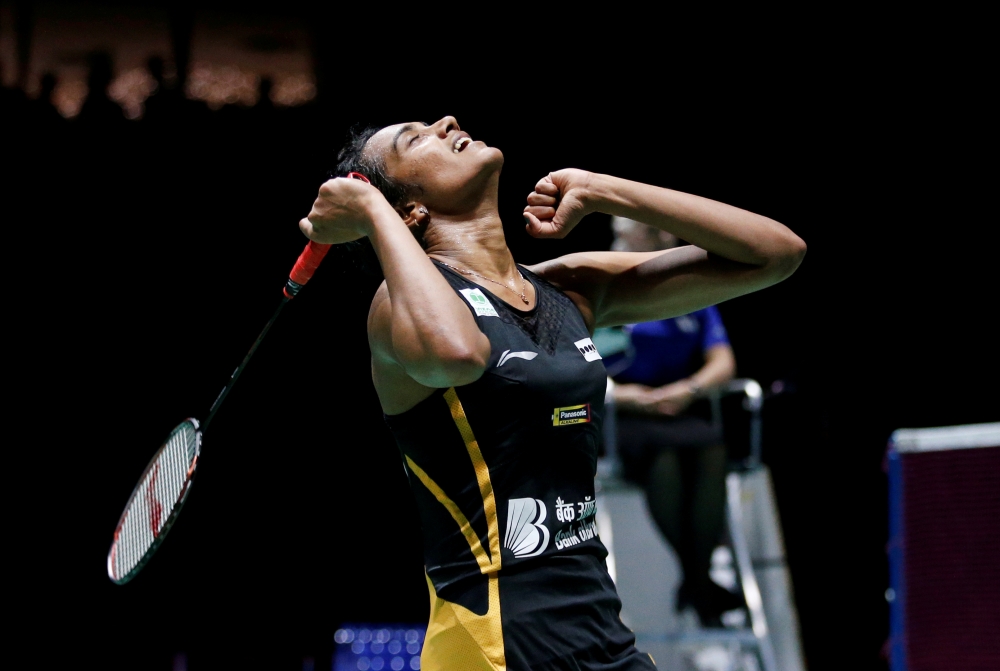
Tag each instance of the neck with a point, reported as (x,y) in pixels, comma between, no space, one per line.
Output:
(472,241)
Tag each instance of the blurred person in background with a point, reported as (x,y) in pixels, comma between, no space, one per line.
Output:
(668,442)
(99,111)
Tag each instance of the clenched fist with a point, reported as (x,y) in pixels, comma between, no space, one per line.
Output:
(558,203)
(343,211)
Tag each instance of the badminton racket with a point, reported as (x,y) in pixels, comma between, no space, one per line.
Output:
(157,499)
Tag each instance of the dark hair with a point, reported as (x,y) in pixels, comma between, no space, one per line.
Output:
(352,158)
(358,257)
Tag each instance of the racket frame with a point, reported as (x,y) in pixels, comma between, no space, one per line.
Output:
(174,510)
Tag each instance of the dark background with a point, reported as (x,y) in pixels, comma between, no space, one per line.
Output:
(144,257)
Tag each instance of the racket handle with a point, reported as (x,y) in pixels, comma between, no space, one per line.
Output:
(311,257)
(304,267)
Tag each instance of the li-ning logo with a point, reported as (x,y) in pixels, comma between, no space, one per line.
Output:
(508,355)
(574,414)
(526,535)
(587,349)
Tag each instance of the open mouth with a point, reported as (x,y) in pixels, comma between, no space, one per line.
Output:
(461,143)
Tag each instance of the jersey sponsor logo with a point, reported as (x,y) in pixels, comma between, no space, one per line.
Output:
(568,511)
(508,355)
(574,414)
(526,535)
(587,349)
(576,534)
(479,303)
(581,517)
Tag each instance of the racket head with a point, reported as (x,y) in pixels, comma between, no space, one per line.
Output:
(155,502)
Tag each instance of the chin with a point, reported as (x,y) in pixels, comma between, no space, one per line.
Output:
(493,157)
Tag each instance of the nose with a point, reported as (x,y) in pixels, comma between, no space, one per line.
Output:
(446,125)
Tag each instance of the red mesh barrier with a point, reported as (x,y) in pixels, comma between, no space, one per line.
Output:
(952,517)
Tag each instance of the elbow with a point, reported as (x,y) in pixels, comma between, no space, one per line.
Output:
(789,256)
(452,365)
(462,366)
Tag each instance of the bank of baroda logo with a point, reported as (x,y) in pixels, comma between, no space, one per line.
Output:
(527,535)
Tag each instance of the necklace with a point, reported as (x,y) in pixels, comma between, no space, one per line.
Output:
(472,272)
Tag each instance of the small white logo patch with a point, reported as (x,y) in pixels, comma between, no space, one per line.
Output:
(687,324)
(508,355)
(527,535)
(587,349)
(479,303)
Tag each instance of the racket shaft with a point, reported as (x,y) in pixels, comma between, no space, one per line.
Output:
(243,364)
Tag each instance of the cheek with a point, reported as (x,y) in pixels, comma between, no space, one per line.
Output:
(438,174)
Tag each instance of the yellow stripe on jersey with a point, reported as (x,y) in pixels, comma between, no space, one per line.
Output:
(457,638)
(456,513)
(482,475)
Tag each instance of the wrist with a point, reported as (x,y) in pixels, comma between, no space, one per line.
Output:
(379,214)
(599,192)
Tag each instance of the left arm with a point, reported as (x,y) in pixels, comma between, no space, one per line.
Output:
(732,252)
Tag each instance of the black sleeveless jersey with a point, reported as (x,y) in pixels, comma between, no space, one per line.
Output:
(503,473)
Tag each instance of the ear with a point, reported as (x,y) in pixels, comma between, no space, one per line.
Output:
(415,216)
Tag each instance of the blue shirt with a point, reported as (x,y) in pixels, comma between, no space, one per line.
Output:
(668,350)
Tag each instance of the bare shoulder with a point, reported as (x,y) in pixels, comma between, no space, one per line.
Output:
(580,276)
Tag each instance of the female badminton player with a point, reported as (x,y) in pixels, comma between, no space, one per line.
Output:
(492,387)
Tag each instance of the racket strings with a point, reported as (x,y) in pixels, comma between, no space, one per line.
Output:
(157,495)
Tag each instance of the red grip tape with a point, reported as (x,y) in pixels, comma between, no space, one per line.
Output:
(311,257)
(308,262)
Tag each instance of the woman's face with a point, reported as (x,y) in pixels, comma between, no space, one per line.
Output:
(452,171)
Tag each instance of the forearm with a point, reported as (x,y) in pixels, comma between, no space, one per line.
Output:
(719,368)
(724,230)
(432,333)
(633,398)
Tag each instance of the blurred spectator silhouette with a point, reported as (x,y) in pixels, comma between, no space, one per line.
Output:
(168,105)
(264,114)
(43,110)
(158,102)
(667,440)
(264,102)
(13,103)
(98,110)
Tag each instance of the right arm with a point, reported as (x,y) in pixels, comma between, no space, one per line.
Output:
(421,333)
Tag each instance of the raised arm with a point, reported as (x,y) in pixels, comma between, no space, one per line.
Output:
(732,252)
(420,332)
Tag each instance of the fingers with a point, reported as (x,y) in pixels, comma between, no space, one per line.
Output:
(535,198)
(541,212)
(667,408)
(540,228)
(328,187)
(545,194)
(307,228)
(546,186)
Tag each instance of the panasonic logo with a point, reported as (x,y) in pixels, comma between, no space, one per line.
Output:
(574,414)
